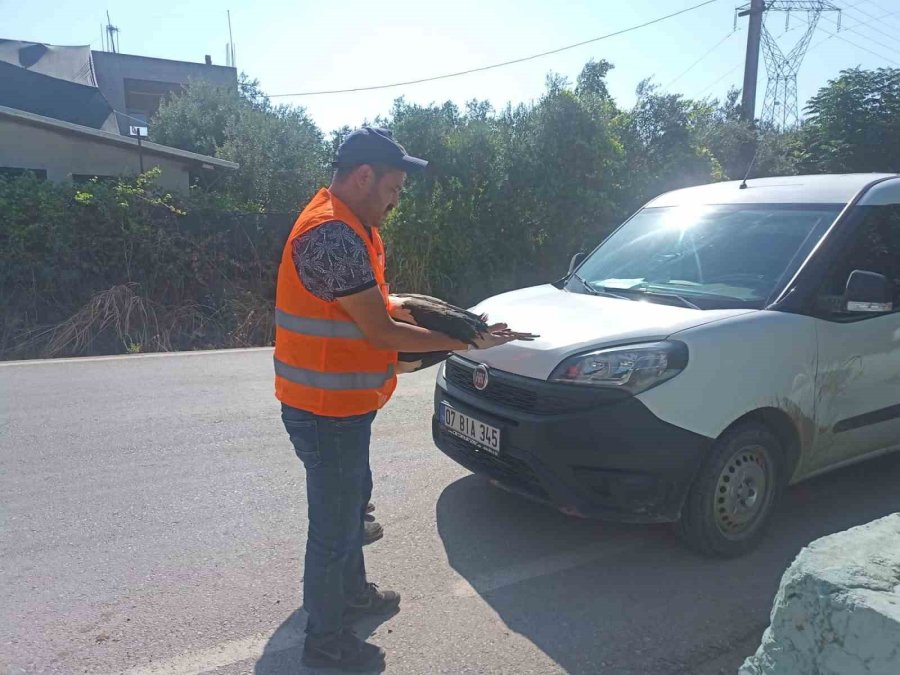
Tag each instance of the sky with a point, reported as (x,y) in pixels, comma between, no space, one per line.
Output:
(294,46)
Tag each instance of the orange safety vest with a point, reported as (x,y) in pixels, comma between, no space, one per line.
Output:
(323,363)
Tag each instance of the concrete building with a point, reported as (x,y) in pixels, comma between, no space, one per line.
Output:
(60,151)
(105,90)
(70,113)
(135,85)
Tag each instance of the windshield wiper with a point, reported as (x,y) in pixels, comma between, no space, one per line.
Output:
(606,293)
(671,296)
(593,290)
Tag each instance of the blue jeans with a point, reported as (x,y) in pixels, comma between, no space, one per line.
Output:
(335,453)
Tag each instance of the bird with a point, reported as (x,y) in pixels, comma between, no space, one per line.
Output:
(438,315)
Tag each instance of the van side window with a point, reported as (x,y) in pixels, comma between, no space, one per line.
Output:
(876,249)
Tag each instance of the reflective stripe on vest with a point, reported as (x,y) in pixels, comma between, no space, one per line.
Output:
(317,327)
(332,381)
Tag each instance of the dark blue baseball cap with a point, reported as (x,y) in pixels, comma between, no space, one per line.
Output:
(373,145)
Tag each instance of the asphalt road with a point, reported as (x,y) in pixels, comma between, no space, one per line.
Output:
(153,519)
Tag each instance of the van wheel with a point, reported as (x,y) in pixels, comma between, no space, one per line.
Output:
(732,497)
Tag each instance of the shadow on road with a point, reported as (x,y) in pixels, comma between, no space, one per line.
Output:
(599,597)
(284,650)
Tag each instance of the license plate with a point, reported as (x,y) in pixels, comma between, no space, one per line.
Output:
(474,431)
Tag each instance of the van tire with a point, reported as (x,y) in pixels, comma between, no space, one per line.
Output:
(723,517)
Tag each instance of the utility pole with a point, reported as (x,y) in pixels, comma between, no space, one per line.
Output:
(140,132)
(231,42)
(780,107)
(112,36)
(140,153)
(751,62)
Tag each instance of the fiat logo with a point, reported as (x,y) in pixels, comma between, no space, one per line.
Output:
(480,378)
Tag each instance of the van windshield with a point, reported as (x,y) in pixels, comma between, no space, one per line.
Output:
(705,256)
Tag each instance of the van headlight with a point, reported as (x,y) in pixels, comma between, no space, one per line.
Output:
(634,368)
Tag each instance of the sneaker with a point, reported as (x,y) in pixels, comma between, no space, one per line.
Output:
(372,602)
(346,651)
(373,532)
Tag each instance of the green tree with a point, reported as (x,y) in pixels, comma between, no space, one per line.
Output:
(281,153)
(196,118)
(739,146)
(509,196)
(854,123)
(662,144)
(592,79)
(282,156)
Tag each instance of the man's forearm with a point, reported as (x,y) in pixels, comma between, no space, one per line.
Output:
(369,313)
(403,337)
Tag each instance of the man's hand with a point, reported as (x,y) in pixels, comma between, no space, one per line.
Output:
(499,334)
(488,340)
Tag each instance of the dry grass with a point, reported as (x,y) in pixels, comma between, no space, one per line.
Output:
(120,320)
(252,320)
(120,312)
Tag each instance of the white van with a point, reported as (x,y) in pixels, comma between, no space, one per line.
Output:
(726,341)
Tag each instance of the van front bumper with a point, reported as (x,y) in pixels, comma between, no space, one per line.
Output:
(591,453)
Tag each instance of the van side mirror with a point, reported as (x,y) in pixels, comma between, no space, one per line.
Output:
(576,260)
(869,292)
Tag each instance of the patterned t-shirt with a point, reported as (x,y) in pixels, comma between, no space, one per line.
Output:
(332,261)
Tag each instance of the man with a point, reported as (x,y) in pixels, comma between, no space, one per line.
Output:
(336,345)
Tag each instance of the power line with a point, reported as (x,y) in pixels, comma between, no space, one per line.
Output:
(852,29)
(876,4)
(722,77)
(697,62)
(839,37)
(133,119)
(504,63)
(868,13)
(856,25)
(875,18)
(707,88)
(857,4)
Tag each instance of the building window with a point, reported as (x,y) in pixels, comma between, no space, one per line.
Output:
(142,97)
(15,172)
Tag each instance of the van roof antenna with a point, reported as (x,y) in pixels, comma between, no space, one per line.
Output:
(743,185)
